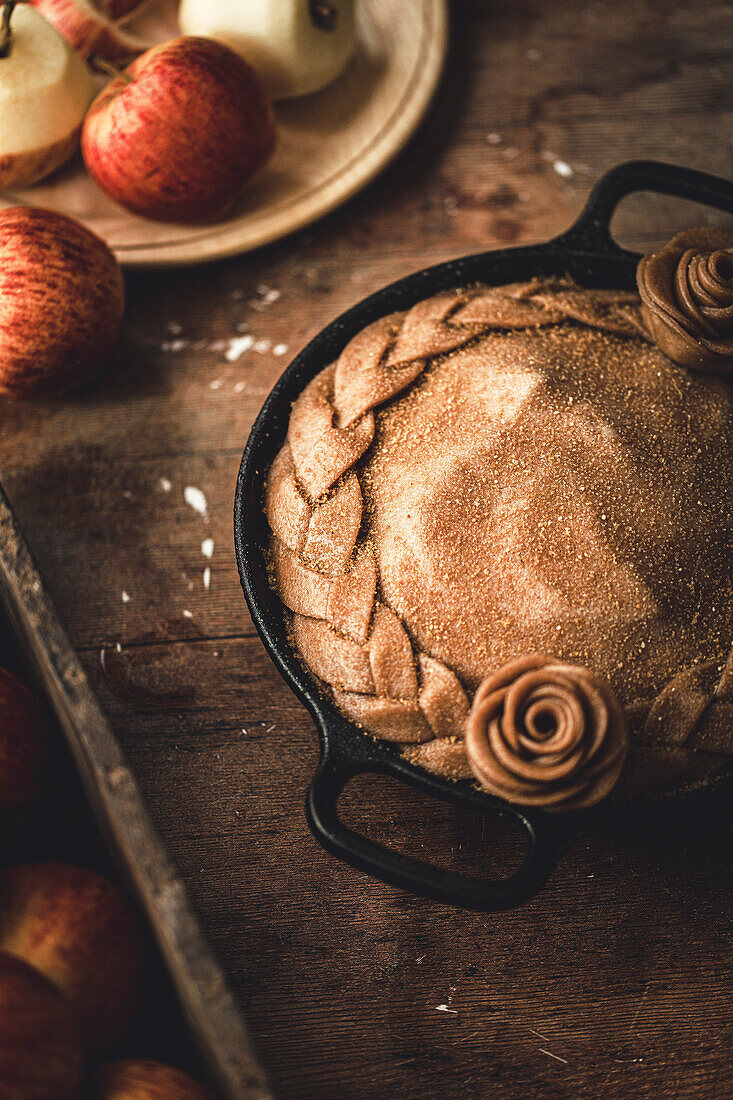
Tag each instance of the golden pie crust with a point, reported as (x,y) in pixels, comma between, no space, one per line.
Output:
(501,471)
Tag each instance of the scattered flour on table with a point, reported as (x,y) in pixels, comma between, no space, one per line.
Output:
(447,1006)
(196,499)
(265,296)
(237,347)
(562,168)
(232,347)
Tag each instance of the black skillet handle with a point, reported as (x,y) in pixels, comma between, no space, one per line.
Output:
(548,834)
(591,232)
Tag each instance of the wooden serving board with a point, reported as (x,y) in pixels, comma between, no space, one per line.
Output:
(329,144)
(115,799)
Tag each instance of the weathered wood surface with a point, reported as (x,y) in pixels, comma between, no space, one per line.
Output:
(618,980)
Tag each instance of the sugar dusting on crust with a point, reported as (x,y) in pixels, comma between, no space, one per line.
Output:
(551,492)
(561,489)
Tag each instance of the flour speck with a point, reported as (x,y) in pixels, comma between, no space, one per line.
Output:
(562,168)
(237,346)
(195,499)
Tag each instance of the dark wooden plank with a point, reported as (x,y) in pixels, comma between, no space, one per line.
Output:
(617,980)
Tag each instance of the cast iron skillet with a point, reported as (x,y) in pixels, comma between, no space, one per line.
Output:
(588,253)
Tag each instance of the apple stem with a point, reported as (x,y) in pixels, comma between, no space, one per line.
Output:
(5,35)
(323,15)
(108,69)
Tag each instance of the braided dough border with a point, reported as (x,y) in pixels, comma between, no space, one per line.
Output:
(327,576)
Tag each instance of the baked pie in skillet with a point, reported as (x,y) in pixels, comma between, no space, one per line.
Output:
(501,525)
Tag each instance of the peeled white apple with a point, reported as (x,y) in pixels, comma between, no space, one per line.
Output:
(297,46)
(45,90)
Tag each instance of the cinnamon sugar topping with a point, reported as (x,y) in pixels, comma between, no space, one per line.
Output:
(504,471)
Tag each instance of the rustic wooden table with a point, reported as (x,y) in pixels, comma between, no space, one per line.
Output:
(617,980)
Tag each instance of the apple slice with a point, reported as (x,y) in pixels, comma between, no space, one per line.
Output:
(45,90)
(89,30)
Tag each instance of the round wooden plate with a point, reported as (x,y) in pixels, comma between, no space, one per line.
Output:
(330,144)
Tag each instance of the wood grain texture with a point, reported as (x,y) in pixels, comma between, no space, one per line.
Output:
(617,981)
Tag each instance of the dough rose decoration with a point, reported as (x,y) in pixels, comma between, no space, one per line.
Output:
(544,733)
(687,295)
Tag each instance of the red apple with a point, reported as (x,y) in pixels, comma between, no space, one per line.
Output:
(80,932)
(61,302)
(22,745)
(88,29)
(178,134)
(146,1081)
(40,1053)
